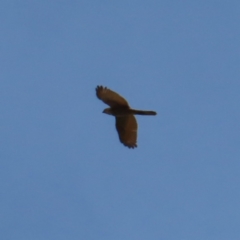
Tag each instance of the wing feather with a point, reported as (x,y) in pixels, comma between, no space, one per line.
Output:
(127,130)
(110,97)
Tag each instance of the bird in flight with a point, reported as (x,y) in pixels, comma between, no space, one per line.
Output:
(126,123)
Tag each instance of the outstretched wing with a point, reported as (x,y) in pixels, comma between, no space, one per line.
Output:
(110,98)
(127,130)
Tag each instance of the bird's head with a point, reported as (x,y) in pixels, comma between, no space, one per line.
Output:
(108,111)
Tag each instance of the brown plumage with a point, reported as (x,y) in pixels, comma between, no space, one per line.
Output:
(126,123)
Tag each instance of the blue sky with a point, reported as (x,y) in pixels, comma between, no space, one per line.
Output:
(63,172)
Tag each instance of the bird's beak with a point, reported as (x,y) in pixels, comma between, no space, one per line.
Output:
(106,111)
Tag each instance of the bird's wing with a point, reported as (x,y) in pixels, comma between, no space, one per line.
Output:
(110,98)
(127,130)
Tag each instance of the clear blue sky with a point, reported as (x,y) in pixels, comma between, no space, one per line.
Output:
(64,174)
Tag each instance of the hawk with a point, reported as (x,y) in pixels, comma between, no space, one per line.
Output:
(126,123)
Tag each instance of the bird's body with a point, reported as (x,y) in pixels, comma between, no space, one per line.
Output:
(126,123)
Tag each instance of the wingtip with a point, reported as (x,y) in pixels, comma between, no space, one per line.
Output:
(131,146)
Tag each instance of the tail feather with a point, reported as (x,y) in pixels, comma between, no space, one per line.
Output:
(140,112)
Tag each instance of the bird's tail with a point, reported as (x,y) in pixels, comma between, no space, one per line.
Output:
(140,112)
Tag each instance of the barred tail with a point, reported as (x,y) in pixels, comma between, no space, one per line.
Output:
(140,112)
